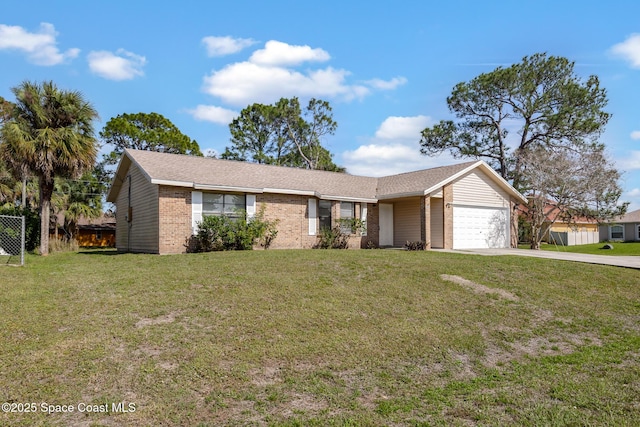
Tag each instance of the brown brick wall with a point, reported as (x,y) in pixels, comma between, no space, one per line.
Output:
(175,219)
(447,194)
(373,226)
(425,221)
(291,211)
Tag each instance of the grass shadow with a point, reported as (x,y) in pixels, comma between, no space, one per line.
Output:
(99,252)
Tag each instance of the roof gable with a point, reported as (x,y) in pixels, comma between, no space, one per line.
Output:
(206,173)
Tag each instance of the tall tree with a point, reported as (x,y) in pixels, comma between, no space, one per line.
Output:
(541,100)
(7,185)
(50,133)
(78,198)
(566,185)
(284,134)
(145,131)
(7,177)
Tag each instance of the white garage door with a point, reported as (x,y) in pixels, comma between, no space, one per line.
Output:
(477,227)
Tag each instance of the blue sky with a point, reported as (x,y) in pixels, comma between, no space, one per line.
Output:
(385,67)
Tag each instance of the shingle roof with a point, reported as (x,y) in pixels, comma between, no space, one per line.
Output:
(209,173)
(411,183)
(206,171)
(633,216)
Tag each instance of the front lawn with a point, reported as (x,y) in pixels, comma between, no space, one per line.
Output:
(619,248)
(313,337)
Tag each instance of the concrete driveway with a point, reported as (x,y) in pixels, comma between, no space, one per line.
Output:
(619,261)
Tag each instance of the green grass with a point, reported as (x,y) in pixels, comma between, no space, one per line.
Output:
(311,337)
(619,248)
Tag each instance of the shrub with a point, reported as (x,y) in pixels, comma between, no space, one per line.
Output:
(222,233)
(415,246)
(332,238)
(63,245)
(338,236)
(371,245)
(31,225)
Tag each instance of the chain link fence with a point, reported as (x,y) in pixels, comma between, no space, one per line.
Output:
(11,240)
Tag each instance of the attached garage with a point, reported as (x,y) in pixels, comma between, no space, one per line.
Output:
(480,227)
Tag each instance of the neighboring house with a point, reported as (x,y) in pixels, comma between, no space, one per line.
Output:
(624,228)
(95,233)
(99,233)
(160,198)
(577,231)
(580,231)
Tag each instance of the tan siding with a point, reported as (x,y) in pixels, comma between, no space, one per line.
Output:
(144,204)
(121,218)
(406,221)
(629,231)
(437,223)
(476,188)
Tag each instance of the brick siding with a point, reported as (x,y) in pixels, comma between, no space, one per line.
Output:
(291,211)
(175,219)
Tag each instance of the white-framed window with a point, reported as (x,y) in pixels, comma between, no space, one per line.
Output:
(616,232)
(347,211)
(638,232)
(324,213)
(231,205)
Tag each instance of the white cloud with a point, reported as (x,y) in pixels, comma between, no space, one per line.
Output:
(243,83)
(211,113)
(387,84)
(122,65)
(220,46)
(629,162)
(271,73)
(394,149)
(635,192)
(403,127)
(40,47)
(629,50)
(390,159)
(633,197)
(635,134)
(278,53)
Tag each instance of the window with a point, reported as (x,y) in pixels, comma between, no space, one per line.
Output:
(99,235)
(616,232)
(230,205)
(637,232)
(324,213)
(347,212)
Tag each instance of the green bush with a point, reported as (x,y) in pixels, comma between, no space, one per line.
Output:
(415,246)
(332,238)
(222,233)
(338,236)
(31,225)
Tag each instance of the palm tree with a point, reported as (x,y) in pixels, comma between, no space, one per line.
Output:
(50,134)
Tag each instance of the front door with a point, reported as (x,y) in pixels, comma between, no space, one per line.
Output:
(386,224)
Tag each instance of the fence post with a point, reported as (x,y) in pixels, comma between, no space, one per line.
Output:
(23,236)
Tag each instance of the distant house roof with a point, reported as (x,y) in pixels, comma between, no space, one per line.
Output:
(633,216)
(204,173)
(102,223)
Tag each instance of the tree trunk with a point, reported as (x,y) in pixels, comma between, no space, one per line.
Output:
(46,190)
